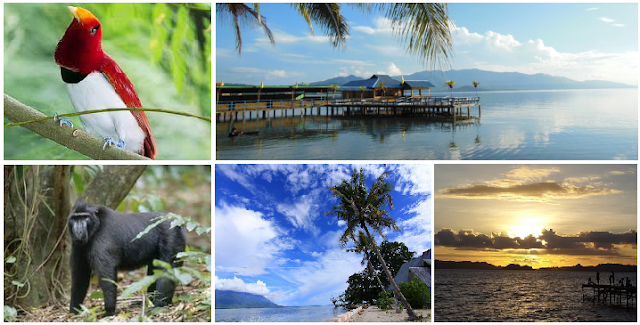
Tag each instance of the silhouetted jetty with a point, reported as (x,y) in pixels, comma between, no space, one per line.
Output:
(623,296)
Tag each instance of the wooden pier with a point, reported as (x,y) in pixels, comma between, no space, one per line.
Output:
(623,296)
(451,108)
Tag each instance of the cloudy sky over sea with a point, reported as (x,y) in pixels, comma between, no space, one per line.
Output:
(579,41)
(537,215)
(273,239)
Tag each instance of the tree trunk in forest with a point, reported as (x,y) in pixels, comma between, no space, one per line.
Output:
(34,236)
(112,185)
(37,203)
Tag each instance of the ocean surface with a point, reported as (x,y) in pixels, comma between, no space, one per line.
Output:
(599,124)
(514,296)
(279,314)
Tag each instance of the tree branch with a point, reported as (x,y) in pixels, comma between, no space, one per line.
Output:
(112,185)
(73,139)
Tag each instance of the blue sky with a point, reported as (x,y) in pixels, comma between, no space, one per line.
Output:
(273,239)
(578,41)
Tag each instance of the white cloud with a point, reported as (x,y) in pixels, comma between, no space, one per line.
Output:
(246,242)
(263,73)
(504,53)
(318,280)
(413,179)
(592,8)
(606,20)
(235,284)
(341,223)
(381,24)
(392,70)
(302,213)
(417,229)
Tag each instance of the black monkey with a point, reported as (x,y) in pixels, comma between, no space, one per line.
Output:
(102,243)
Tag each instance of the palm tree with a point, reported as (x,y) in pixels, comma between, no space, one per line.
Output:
(475,85)
(362,88)
(450,83)
(241,14)
(383,86)
(362,245)
(362,210)
(424,27)
(334,88)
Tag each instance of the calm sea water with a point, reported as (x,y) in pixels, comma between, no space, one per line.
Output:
(279,314)
(549,125)
(511,296)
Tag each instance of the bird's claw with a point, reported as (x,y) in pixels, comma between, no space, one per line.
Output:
(121,144)
(63,122)
(108,142)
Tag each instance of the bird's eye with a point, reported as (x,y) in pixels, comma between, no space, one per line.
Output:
(94,30)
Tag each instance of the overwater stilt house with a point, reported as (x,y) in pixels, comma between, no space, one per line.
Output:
(383,86)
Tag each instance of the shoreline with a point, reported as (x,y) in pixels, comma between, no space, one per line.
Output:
(374,314)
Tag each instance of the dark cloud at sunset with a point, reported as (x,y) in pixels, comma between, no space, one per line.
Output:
(584,243)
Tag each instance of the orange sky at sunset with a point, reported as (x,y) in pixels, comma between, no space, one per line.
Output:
(537,215)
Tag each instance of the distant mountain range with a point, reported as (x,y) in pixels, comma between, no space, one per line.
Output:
(233,299)
(490,80)
(467,265)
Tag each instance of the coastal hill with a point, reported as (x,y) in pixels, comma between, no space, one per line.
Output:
(233,299)
(490,80)
(467,265)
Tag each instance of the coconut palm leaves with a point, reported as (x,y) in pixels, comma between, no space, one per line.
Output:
(450,83)
(475,85)
(328,16)
(241,14)
(424,27)
(361,210)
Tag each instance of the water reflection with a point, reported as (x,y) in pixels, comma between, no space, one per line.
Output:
(595,124)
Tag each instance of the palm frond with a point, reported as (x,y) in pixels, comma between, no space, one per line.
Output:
(329,17)
(426,29)
(242,15)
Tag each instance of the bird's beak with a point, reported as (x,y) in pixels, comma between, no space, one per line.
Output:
(74,12)
(82,15)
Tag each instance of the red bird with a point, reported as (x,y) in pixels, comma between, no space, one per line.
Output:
(95,81)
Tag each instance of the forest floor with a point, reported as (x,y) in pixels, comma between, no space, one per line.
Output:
(128,309)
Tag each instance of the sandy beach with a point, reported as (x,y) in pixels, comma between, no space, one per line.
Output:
(374,314)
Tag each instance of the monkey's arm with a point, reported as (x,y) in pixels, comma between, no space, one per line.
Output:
(80,277)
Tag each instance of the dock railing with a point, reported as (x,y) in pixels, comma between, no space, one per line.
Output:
(321,102)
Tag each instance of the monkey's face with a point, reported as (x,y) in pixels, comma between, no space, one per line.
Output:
(79,227)
(83,223)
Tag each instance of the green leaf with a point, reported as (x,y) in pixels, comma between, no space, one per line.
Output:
(10,260)
(202,230)
(18,284)
(10,313)
(191,225)
(96,295)
(78,181)
(138,286)
(158,221)
(178,64)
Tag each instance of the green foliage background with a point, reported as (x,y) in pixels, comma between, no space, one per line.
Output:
(416,292)
(165,49)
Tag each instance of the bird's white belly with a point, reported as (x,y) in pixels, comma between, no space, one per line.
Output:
(96,92)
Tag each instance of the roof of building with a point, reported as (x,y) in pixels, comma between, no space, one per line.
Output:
(416,263)
(421,273)
(418,84)
(374,82)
